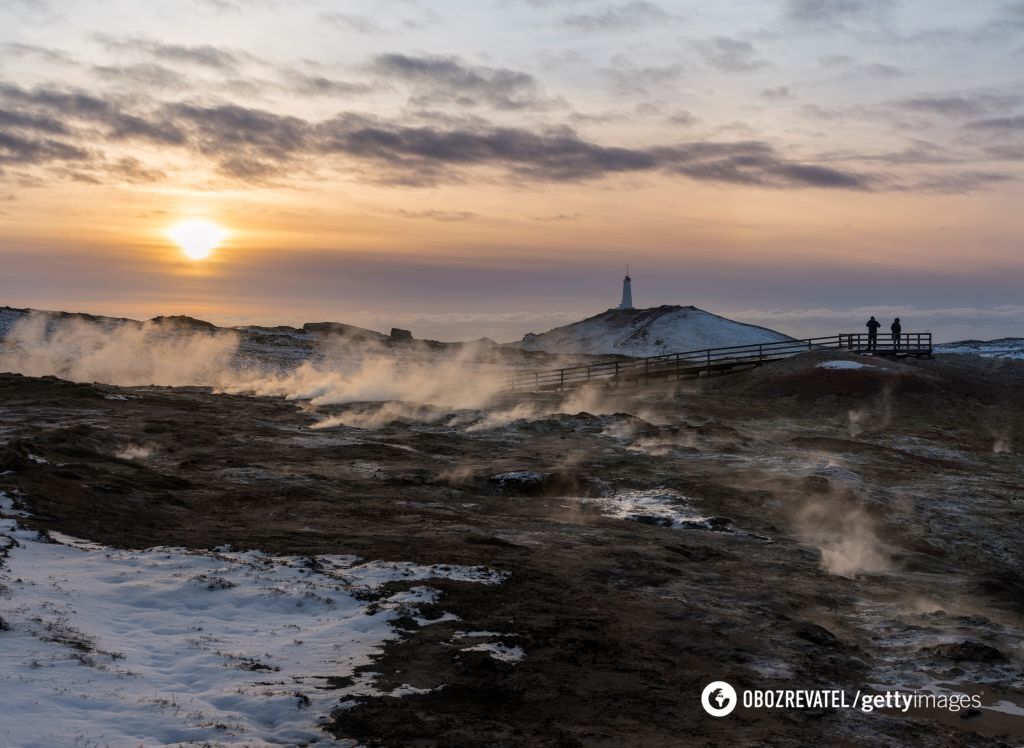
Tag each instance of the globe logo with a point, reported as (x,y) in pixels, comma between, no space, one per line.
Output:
(718,699)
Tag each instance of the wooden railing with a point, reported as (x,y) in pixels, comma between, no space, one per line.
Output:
(709,360)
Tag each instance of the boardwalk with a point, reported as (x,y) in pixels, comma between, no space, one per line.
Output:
(689,364)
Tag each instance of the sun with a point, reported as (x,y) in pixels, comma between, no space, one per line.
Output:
(197,237)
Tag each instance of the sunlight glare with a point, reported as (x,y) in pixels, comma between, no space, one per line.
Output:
(197,237)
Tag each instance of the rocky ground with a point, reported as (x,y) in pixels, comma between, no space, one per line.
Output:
(792,526)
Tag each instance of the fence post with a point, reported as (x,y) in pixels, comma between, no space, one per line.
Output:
(708,365)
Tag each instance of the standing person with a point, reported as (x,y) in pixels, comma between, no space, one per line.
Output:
(873,325)
(896,329)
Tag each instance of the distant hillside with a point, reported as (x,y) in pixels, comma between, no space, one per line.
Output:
(181,323)
(649,332)
(1001,348)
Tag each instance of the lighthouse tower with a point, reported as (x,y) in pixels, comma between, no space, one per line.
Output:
(627,292)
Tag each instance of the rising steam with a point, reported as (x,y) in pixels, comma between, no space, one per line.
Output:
(877,415)
(124,354)
(163,353)
(845,537)
(412,383)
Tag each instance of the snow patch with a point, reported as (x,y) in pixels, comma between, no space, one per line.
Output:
(1011,348)
(499,651)
(662,507)
(650,332)
(7,508)
(844,365)
(167,646)
(474,634)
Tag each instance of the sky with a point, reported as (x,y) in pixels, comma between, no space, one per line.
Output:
(490,167)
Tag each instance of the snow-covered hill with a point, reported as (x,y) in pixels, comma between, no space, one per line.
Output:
(1001,348)
(649,332)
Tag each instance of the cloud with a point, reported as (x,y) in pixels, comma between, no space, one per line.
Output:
(916,152)
(17,149)
(873,69)
(129,169)
(560,155)
(420,17)
(35,122)
(882,70)
(619,18)
(146,75)
(35,11)
(15,49)
(960,182)
(626,79)
(1013,15)
(317,85)
(1006,152)
(203,55)
(683,118)
(558,217)
(730,55)
(218,6)
(779,93)
(961,105)
(1000,124)
(836,13)
(442,216)
(357,22)
(251,144)
(436,79)
(836,61)
(46,126)
(75,104)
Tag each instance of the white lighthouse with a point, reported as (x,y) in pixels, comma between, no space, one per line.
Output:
(627,292)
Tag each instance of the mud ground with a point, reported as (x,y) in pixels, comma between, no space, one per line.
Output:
(866,533)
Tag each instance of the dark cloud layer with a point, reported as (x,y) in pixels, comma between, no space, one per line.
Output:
(426,154)
(72,104)
(47,126)
(22,150)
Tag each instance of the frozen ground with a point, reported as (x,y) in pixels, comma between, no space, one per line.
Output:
(166,646)
(788,527)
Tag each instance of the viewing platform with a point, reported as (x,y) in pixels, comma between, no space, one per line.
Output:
(708,361)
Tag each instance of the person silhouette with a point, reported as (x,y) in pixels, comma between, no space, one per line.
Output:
(873,325)
(896,329)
